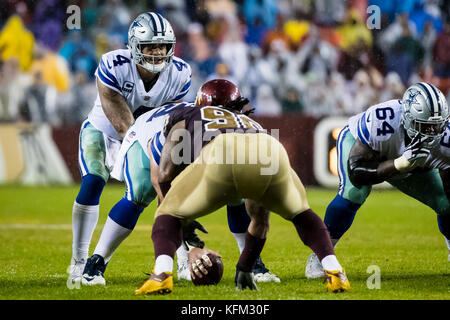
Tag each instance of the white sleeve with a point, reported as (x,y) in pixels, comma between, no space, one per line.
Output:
(185,81)
(106,73)
(364,126)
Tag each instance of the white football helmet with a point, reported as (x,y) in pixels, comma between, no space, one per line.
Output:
(151,28)
(425,112)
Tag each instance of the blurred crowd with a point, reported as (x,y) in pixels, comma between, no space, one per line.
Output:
(321,57)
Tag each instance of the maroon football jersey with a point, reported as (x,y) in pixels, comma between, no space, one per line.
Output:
(206,123)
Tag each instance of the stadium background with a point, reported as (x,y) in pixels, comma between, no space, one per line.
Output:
(299,62)
(303,63)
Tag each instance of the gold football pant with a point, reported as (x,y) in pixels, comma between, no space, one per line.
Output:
(233,166)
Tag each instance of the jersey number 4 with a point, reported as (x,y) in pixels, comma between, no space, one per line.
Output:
(120,60)
(179,65)
(383,114)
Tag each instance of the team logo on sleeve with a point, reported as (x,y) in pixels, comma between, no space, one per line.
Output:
(128,86)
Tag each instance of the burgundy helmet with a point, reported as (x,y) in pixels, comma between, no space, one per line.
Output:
(217,92)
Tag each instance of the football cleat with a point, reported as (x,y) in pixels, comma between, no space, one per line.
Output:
(266,277)
(262,274)
(314,268)
(157,284)
(93,271)
(183,271)
(336,281)
(244,280)
(76,270)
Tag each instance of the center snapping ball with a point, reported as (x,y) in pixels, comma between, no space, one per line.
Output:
(214,275)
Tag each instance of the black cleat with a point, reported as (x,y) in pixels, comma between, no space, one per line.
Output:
(93,271)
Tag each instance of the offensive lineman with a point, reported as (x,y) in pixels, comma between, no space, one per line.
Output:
(129,82)
(140,153)
(214,136)
(404,142)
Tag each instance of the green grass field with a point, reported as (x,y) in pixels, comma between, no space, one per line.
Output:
(391,231)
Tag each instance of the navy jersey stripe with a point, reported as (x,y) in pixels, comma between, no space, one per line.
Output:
(108,74)
(180,96)
(107,81)
(83,162)
(156,155)
(127,173)
(364,128)
(186,86)
(360,134)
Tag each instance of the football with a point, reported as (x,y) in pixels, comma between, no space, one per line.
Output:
(214,275)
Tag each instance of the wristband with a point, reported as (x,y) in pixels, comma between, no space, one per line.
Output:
(401,163)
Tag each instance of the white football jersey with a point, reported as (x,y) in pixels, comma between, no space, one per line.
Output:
(380,128)
(147,127)
(150,126)
(117,71)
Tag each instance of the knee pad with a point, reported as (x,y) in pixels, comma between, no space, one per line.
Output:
(126,213)
(90,190)
(339,216)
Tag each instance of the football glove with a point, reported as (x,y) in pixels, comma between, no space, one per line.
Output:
(244,280)
(237,104)
(190,237)
(413,156)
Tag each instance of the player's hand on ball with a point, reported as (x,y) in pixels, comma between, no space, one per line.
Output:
(199,261)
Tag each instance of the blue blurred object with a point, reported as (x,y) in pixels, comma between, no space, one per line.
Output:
(79,53)
(48,23)
(402,63)
(255,32)
(394,7)
(420,17)
(264,9)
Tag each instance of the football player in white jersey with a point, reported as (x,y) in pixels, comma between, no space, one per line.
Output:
(129,82)
(404,142)
(140,153)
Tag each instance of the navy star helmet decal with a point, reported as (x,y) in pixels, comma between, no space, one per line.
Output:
(136,24)
(412,98)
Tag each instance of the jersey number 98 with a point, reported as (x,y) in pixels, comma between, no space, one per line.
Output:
(220,118)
